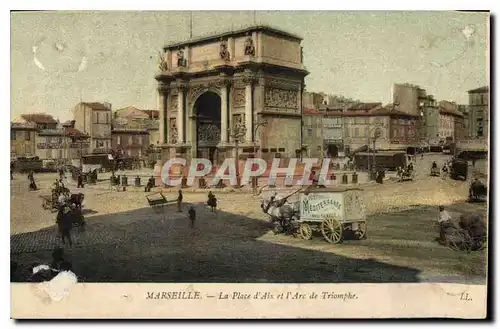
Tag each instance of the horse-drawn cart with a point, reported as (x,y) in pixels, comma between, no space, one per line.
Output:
(333,212)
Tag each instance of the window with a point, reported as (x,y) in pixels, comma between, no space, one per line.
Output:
(309,133)
(480,128)
(140,140)
(265,150)
(12,135)
(281,150)
(356,132)
(273,149)
(129,140)
(27,135)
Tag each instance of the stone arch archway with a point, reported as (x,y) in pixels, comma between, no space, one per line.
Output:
(206,112)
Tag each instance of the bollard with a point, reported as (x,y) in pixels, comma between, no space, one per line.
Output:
(344,179)
(355,178)
(124,180)
(202,183)
(137,181)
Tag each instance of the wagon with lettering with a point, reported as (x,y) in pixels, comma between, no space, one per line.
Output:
(334,212)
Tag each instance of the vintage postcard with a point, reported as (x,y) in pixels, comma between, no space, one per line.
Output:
(249,164)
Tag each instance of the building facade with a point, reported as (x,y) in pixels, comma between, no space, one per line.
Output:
(130,138)
(62,144)
(22,138)
(214,91)
(430,120)
(312,133)
(451,122)
(333,134)
(479,112)
(94,119)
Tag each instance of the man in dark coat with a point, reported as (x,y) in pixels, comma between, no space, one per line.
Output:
(192,217)
(65,224)
(31,178)
(80,180)
(179,201)
(150,184)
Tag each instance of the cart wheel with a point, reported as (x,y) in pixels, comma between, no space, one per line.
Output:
(361,230)
(305,231)
(332,229)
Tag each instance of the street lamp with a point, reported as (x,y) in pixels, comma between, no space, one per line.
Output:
(236,133)
(375,136)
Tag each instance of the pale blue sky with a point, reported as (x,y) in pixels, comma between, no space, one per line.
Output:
(355,54)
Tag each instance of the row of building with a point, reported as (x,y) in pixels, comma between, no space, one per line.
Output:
(334,126)
(94,129)
(331,126)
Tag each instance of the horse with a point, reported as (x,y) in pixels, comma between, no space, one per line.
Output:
(77,200)
(280,211)
(477,190)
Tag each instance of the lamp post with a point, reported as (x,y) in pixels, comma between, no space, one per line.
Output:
(375,136)
(236,133)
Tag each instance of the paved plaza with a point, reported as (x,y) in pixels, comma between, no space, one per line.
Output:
(126,241)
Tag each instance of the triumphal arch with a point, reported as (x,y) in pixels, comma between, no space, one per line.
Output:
(241,89)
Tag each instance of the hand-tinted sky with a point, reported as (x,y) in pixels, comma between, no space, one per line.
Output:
(355,54)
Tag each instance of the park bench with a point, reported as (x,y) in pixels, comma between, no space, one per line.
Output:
(157,201)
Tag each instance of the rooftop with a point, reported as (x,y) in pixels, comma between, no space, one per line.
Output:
(484,89)
(97,106)
(225,34)
(39,118)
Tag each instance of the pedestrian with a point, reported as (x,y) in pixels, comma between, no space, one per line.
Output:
(11,170)
(179,201)
(212,201)
(31,178)
(444,221)
(192,216)
(150,184)
(80,181)
(65,224)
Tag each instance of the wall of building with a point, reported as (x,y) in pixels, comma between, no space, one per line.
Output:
(407,96)
(446,125)
(132,143)
(358,131)
(478,119)
(431,122)
(312,135)
(22,142)
(58,147)
(281,133)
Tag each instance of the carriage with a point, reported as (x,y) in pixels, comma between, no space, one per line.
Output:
(435,172)
(334,212)
(405,174)
(469,234)
(157,201)
(459,169)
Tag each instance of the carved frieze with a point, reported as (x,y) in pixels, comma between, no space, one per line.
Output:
(281,98)
(162,62)
(249,47)
(238,97)
(173,131)
(282,84)
(174,103)
(238,125)
(195,91)
(224,51)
